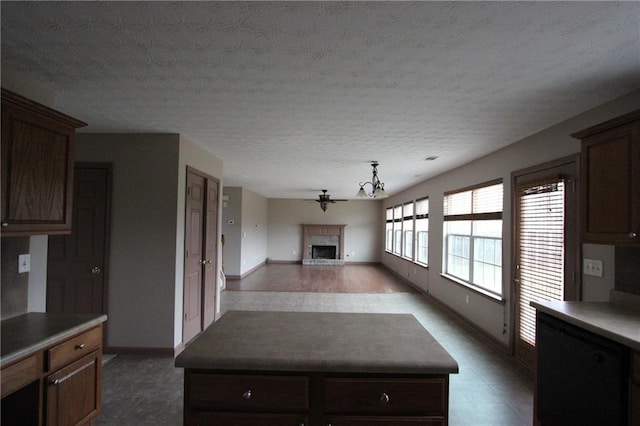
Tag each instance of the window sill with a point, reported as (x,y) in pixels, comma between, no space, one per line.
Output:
(487,294)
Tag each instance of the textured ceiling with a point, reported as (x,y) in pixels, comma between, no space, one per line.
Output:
(296,97)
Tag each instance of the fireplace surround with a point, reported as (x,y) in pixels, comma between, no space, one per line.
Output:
(323,244)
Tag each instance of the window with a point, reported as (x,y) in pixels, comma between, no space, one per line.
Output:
(422,231)
(397,230)
(388,243)
(407,230)
(472,236)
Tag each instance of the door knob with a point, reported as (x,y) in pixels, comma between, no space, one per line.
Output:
(96,270)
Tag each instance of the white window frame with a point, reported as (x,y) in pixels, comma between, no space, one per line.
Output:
(484,202)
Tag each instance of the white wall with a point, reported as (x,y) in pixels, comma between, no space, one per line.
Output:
(547,145)
(194,156)
(363,240)
(143,235)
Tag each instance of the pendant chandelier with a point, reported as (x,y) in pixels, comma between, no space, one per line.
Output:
(377,187)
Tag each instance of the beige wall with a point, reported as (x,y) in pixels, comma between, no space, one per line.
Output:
(232,212)
(363,218)
(143,235)
(547,145)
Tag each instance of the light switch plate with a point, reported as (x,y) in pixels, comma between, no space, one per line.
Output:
(24,263)
(592,267)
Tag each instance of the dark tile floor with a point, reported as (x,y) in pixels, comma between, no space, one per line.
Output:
(491,388)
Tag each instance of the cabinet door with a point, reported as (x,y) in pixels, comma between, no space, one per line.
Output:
(37,167)
(611,185)
(73,393)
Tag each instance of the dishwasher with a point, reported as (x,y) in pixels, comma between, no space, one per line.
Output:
(582,378)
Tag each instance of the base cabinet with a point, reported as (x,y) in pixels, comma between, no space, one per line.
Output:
(218,398)
(59,385)
(73,393)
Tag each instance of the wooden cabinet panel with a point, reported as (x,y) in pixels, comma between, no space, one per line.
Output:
(73,393)
(244,419)
(610,172)
(20,374)
(253,393)
(37,167)
(382,421)
(385,396)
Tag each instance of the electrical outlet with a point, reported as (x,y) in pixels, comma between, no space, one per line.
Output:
(592,267)
(466,299)
(24,263)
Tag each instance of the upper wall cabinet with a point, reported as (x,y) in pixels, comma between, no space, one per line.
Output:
(610,172)
(37,167)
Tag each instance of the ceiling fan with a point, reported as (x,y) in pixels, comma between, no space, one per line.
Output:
(324,199)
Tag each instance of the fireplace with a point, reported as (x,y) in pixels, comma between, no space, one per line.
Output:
(323,252)
(323,245)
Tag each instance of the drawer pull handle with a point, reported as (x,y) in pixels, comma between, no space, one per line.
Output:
(5,224)
(632,235)
(80,346)
(56,382)
(384,398)
(247,394)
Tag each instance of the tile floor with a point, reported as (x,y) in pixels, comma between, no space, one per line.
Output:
(491,388)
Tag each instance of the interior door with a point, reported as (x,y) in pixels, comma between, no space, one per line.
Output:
(77,263)
(193,260)
(546,245)
(201,253)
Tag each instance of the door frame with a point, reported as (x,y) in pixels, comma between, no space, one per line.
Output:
(575,260)
(206,178)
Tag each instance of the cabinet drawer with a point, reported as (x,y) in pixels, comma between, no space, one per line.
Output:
(227,392)
(20,374)
(386,396)
(384,421)
(74,348)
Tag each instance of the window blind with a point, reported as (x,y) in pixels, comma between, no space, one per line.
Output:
(541,249)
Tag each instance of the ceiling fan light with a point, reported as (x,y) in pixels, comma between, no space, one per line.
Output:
(361,193)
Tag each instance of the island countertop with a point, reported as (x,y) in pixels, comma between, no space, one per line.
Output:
(317,342)
(613,321)
(28,333)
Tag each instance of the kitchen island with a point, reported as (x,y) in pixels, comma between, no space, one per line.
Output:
(310,368)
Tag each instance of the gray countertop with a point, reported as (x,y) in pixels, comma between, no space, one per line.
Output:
(317,342)
(25,334)
(613,321)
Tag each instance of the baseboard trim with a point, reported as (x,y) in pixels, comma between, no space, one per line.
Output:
(490,339)
(246,274)
(125,350)
(285,262)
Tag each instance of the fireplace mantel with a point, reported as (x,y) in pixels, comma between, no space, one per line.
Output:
(313,230)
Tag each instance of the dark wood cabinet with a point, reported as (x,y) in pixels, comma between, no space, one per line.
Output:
(236,399)
(611,181)
(37,167)
(58,384)
(73,393)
